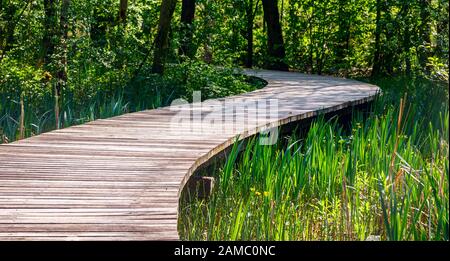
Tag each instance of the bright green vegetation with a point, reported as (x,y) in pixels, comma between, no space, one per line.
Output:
(386,175)
(66,62)
(70,61)
(109,99)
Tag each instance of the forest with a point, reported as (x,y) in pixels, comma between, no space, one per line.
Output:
(68,62)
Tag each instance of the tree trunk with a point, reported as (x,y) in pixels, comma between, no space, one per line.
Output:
(321,53)
(442,26)
(123,11)
(249,34)
(62,70)
(207,55)
(282,11)
(407,41)
(22,118)
(387,57)
(343,37)
(187,17)
(7,32)
(162,37)
(275,43)
(1,30)
(425,34)
(249,56)
(377,55)
(50,25)
(4,30)
(406,46)
(311,39)
(310,51)
(7,35)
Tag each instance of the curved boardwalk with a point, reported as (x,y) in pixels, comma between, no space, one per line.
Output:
(120,178)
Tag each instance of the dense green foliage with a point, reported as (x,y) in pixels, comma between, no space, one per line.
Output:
(144,92)
(386,176)
(66,62)
(73,58)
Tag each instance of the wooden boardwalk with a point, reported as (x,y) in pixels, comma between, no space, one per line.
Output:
(120,178)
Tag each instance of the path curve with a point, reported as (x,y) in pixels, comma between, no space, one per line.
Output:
(121,178)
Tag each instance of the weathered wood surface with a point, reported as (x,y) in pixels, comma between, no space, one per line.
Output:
(120,178)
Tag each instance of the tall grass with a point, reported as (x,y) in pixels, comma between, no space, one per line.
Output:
(86,99)
(39,120)
(386,177)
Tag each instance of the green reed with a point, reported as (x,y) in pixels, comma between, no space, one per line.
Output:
(387,176)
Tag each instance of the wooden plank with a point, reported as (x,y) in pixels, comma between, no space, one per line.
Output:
(121,178)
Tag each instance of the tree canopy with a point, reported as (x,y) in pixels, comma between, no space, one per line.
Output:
(74,50)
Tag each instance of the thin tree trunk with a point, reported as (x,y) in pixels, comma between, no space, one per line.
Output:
(282,11)
(208,54)
(62,70)
(388,56)
(123,11)
(249,56)
(377,55)
(442,26)
(320,55)
(275,44)
(343,38)
(311,28)
(57,123)
(406,46)
(3,32)
(341,15)
(425,34)
(7,35)
(1,29)
(162,37)
(249,34)
(22,118)
(187,17)
(50,24)
(407,42)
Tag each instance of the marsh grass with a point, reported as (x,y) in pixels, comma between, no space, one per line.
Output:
(387,176)
(86,99)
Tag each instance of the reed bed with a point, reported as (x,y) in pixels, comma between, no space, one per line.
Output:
(384,178)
